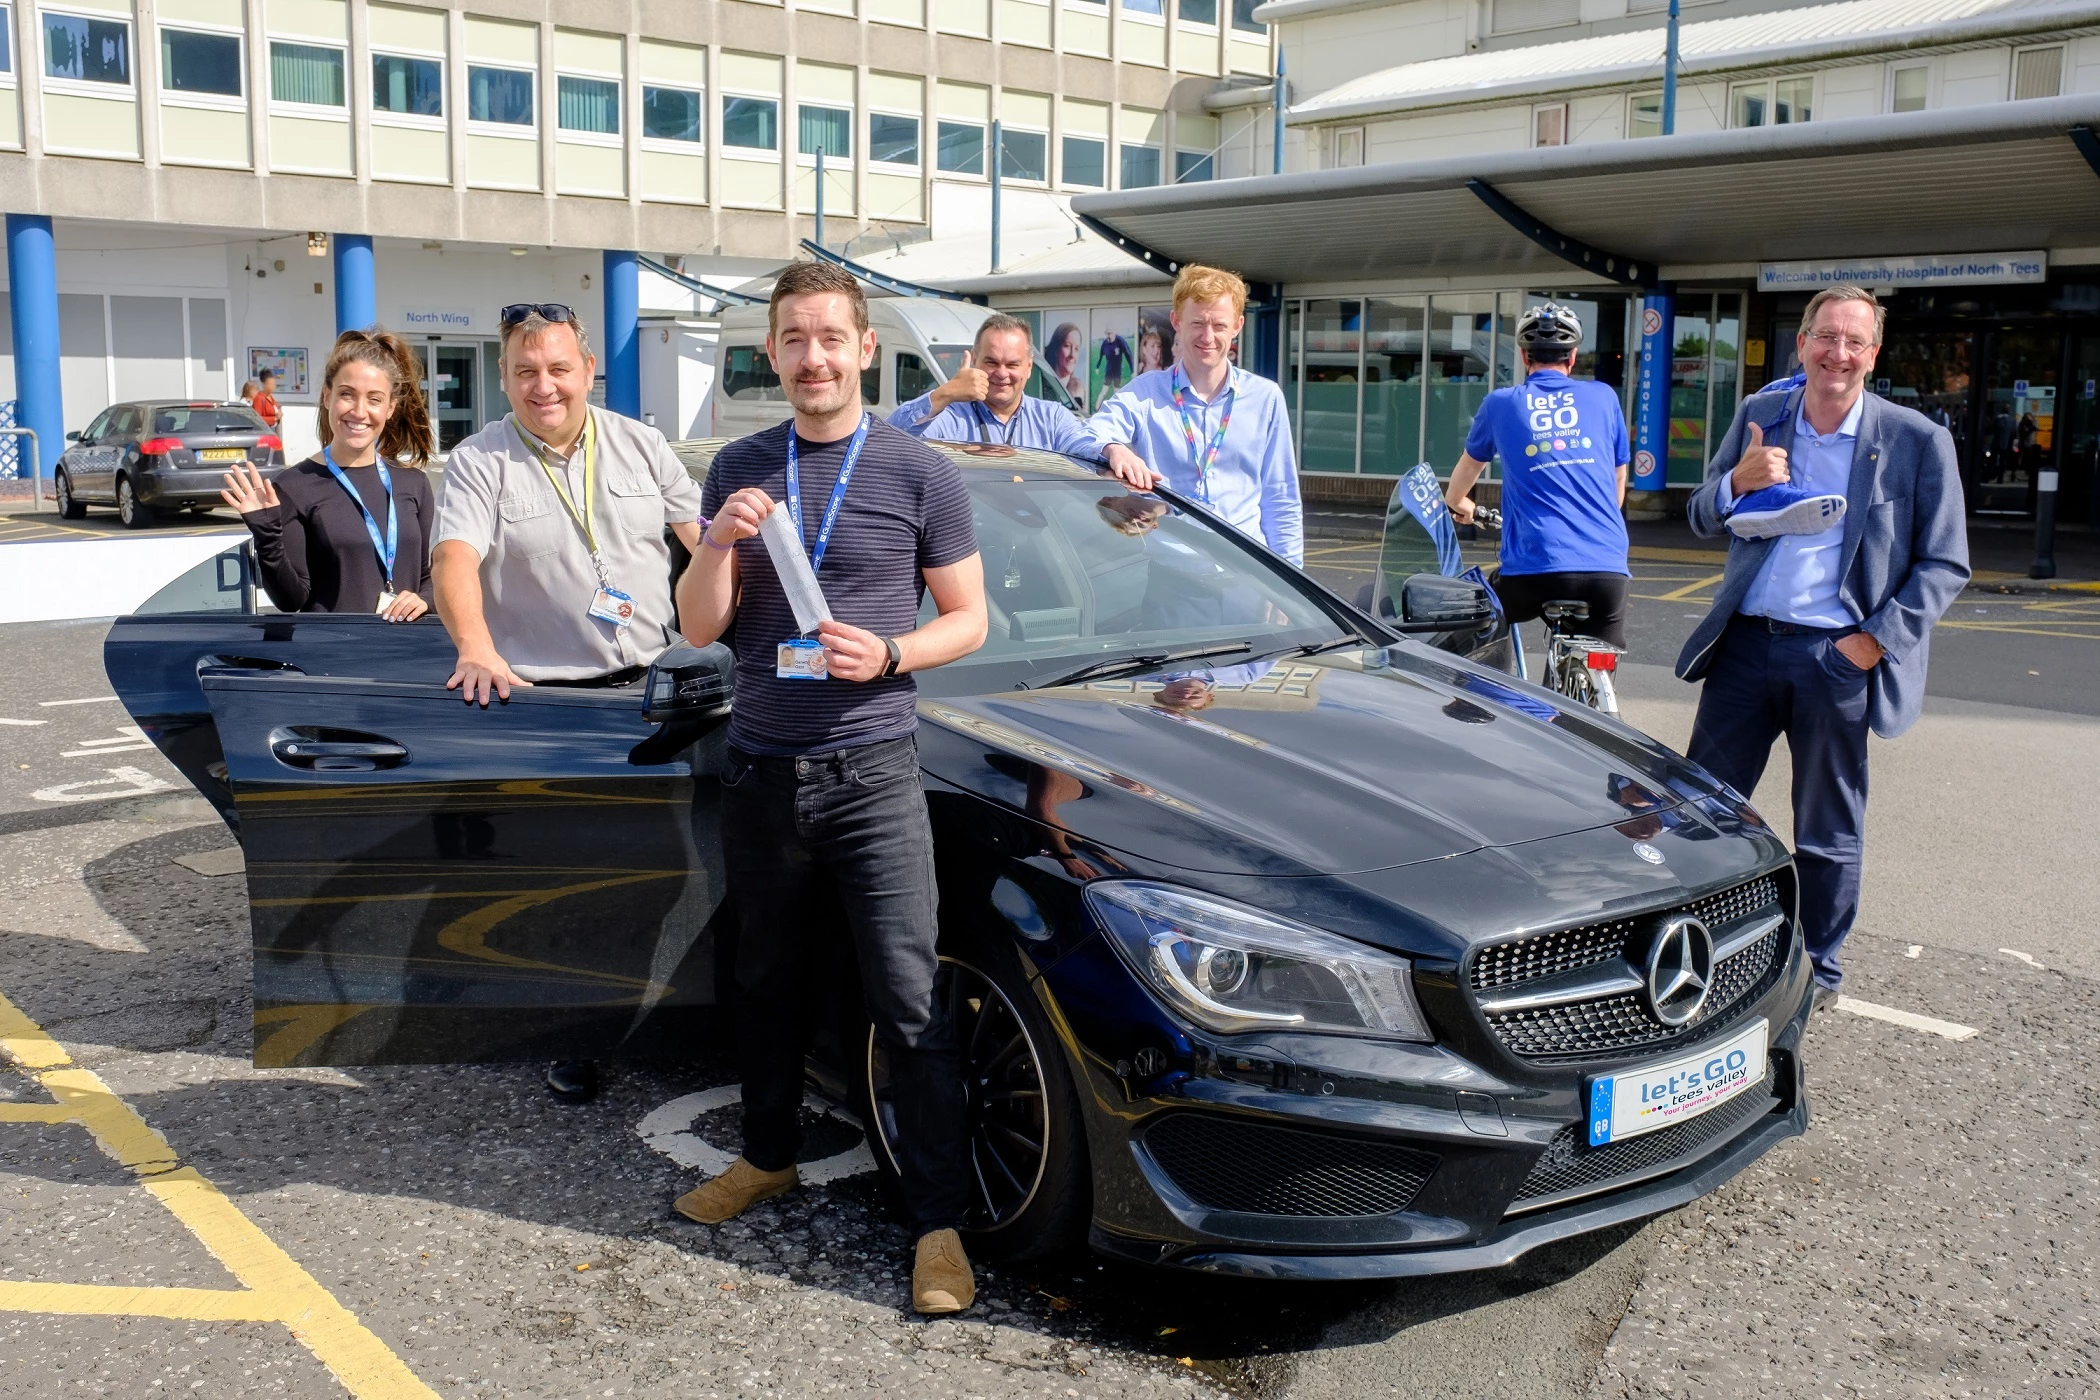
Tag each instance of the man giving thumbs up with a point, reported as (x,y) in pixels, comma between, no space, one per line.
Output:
(984,402)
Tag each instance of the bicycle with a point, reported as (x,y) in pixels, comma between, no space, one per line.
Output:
(1582,668)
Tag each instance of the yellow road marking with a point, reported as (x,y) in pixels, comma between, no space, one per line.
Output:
(1655,554)
(274,1287)
(1679,594)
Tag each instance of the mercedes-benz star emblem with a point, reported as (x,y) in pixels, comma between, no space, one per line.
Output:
(1680,970)
(1648,853)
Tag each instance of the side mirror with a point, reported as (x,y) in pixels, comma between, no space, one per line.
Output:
(689,682)
(1434,603)
(73,436)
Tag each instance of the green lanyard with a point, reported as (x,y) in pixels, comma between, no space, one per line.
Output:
(590,476)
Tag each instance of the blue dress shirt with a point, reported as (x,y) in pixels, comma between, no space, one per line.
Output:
(1253,485)
(1799,580)
(1036,423)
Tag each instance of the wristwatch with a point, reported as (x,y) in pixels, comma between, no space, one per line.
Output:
(896,656)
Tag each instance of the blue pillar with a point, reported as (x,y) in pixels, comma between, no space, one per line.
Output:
(1651,434)
(32,276)
(623,346)
(356,292)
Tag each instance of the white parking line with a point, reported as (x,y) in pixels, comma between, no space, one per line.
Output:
(1909,1020)
(23,722)
(91,700)
(2027,958)
(127,737)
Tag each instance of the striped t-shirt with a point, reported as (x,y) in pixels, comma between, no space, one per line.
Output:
(906,509)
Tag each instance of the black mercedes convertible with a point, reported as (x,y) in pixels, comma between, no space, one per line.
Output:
(1285,940)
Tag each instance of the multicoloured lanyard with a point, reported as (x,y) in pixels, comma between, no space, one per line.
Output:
(1203,460)
(838,491)
(590,480)
(388,547)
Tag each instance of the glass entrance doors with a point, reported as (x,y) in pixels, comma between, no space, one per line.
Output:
(460,386)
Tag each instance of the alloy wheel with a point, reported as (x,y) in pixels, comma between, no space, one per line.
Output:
(1008,1121)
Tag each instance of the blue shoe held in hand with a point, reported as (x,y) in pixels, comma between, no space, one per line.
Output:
(1784,509)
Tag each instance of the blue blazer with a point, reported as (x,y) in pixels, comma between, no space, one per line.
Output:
(1906,543)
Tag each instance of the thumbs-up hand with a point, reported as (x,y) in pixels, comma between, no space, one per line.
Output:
(969,385)
(1760,466)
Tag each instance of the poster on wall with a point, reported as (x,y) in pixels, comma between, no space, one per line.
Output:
(1155,348)
(1064,350)
(1114,359)
(288,363)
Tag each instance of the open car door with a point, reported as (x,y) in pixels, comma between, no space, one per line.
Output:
(430,880)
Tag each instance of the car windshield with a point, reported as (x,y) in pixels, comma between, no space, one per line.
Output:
(1079,570)
(206,418)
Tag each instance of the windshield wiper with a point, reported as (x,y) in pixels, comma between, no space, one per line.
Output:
(1124,665)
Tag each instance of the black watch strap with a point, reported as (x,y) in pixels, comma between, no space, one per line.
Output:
(896,656)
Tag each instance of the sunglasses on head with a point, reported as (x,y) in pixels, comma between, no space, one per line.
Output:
(546,310)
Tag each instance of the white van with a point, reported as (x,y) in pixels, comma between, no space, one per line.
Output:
(920,343)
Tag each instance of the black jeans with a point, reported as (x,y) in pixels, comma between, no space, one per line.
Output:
(852,824)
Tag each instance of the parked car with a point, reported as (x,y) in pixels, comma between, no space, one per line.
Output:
(147,457)
(1282,945)
(920,345)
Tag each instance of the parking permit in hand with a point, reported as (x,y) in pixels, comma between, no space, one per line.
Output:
(611,605)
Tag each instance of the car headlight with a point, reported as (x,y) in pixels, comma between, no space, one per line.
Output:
(1229,968)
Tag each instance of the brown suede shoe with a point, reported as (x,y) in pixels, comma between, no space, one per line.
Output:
(734,1192)
(940,1278)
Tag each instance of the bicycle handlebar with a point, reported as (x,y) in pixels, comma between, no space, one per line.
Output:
(1487,517)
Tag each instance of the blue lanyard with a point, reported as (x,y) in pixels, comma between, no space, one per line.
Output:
(838,492)
(388,547)
(1204,460)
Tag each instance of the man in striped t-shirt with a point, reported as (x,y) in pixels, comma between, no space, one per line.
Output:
(820,785)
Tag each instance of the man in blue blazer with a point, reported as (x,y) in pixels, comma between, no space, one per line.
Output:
(1822,635)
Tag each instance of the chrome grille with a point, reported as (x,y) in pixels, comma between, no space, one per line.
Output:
(1577,1029)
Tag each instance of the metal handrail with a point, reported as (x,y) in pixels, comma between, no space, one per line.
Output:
(36,480)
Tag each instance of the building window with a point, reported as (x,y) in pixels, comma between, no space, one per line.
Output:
(1140,167)
(751,123)
(1193,165)
(1243,17)
(1143,7)
(1907,89)
(1771,104)
(670,114)
(1792,99)
(959,148)
(1023,155)
(499,95)
(1086,162)
(1644,114)
(7,39)
(587,104)
(408,87)
(311,74)
(1197,11)
(200,63)
(1345,147)
(893,139)
(829,129)
(1549,124)
(87,50)
(2038,73)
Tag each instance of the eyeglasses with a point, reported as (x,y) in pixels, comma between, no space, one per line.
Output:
(525,310)
(1850,344)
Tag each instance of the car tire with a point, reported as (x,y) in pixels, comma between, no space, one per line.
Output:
(131,511)
(1012,1090)
(68,507)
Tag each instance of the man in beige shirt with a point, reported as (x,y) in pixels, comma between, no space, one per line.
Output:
(550,562)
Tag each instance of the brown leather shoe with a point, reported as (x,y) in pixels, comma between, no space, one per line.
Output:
(734,1192)
(940,1278)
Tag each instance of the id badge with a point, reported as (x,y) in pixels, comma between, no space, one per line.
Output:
(800,660)
(611,605)
(386,600)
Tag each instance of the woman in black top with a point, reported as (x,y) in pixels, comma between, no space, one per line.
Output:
(322,527)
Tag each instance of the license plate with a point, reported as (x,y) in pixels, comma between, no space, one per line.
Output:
(1641,1101)
(222,454)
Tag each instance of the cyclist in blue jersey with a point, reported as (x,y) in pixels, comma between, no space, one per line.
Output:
(1563,447)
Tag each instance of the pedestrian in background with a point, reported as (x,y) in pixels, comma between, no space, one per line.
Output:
(1212,431)
(348,529)
(1823,636)
(820,782)
(249,389)
(550,562)
(265,401)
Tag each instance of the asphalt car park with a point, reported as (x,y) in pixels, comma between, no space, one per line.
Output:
(1928,1236)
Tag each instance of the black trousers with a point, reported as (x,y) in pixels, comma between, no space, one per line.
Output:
(1523,595)
(802,836)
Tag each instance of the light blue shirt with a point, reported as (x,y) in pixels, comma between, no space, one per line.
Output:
(1253,486)
(1800,578)
(1036,423)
